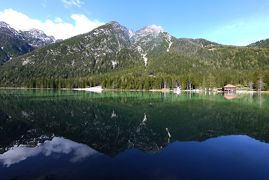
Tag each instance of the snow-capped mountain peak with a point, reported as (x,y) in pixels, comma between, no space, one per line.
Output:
(36,32)
(4,25)
(37,38)
(154,30)
(147,33)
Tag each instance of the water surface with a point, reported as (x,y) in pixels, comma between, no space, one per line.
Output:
(138,135)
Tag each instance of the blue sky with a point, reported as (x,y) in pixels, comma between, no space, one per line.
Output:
(236,22)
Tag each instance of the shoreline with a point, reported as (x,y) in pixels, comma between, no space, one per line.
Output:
(135,90)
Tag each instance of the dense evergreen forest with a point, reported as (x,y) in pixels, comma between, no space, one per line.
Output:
(139,79)
(244,70)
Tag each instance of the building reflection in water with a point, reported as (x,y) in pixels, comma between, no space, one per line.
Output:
(230,96)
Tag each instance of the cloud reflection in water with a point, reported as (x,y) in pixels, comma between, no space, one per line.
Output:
(57,145)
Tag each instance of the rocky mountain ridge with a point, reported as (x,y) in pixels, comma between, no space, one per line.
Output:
(14,43)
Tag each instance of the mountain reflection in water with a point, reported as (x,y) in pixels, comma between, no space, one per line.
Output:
(68,135)
(58,145)
(211,159)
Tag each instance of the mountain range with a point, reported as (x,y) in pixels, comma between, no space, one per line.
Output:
(14,43)
(116,57)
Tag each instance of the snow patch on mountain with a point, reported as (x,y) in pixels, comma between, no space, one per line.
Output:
(25,62)
(114,63)
(131,33)
(169,41)
(146,39)
(143,54)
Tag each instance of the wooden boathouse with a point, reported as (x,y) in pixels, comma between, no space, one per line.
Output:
(229,88)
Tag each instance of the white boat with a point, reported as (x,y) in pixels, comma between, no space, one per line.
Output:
(96,89)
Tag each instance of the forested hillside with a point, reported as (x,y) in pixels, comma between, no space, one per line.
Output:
(115,57)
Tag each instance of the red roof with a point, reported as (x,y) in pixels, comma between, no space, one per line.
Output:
(230,86)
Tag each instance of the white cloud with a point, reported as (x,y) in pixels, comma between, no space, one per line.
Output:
(58,20)
(57,27)
(70,3)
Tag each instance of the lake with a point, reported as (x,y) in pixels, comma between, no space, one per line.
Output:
(132,135)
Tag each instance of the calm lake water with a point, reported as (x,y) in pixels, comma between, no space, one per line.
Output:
(123,135)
